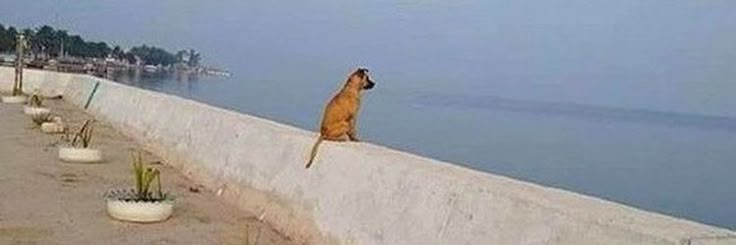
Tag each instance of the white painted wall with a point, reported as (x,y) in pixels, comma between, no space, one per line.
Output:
(357,192)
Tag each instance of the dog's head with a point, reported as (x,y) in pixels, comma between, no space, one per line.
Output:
(361,77)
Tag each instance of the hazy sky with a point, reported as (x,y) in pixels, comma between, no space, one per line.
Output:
(663,55)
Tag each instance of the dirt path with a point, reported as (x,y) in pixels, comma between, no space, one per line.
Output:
(45,201)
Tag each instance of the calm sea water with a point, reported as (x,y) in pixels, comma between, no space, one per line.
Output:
(632,101)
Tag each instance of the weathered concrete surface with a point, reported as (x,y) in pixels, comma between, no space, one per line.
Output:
(362,193)
(44,201)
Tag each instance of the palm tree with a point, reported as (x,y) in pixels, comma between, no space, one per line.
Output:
(194,58)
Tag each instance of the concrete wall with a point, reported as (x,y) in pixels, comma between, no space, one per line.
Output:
(359,193)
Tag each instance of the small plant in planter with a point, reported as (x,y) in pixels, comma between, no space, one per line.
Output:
(41,118)
(55,126)
(17,96)
(14,99)
(142,204)
(79,150)
(34,106)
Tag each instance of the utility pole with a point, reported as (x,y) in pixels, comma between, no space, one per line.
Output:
(20,45)
(61,50)
(61,40)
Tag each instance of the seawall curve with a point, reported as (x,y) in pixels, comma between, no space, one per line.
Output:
(357,193)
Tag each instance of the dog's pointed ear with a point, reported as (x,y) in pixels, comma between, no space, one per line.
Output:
(361,72)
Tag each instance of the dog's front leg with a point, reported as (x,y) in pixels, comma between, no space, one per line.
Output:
(353,132)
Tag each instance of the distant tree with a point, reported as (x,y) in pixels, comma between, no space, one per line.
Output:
(194,58)
(48,42)
(28,32)
(62,39)
(129,57)
(44,41)
(99,49)
(189,57)
(181,56)
(74,45)
(7,41)
(30,36)
(3,47)
(153,55)
(117,52)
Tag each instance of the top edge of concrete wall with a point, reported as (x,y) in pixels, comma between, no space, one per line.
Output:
(360,193)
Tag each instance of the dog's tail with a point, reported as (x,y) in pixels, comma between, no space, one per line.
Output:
(314,151)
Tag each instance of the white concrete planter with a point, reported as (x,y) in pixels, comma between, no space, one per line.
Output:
(18,99)
(80,155)
(143,212)
(29,110)
(52,128)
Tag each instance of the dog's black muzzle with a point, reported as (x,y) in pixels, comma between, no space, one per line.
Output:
(369,85)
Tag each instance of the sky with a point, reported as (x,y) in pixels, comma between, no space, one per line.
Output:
(661,55)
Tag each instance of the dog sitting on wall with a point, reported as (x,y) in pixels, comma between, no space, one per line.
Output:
(341,113)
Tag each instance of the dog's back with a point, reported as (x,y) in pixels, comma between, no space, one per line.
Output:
(339,110)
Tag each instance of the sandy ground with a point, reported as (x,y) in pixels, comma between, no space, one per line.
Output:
(45,201)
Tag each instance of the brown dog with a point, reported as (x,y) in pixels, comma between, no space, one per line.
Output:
(341,114)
